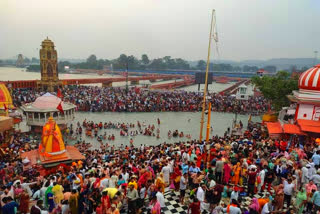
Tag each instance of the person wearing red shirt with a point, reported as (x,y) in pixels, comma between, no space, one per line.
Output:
(194,207)
(283,146)
(251,181)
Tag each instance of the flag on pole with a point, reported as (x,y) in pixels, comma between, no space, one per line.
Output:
(5,107)
(59,107)
(59,94)
(249,119)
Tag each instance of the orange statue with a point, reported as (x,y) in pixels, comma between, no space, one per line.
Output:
(52,141)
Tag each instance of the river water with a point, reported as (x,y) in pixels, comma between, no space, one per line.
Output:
(187,122)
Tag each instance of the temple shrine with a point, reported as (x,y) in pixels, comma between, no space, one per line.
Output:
(8,114)
(302,117)
(48,67)
(52,150)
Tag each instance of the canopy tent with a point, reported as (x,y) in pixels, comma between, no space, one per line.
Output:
(309,125)
(274,128)
(292,129)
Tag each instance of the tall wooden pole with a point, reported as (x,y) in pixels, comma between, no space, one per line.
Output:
(206,81)
(208,123)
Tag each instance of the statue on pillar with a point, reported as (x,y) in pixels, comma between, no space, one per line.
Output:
(51,141)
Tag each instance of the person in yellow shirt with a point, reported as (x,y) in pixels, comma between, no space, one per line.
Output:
(57,190)
(133,181)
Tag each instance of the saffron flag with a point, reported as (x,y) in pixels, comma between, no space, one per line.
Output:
(59,94)
(59,107)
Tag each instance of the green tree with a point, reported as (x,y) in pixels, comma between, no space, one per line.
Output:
(92,59)
(133,63)
(145,59)
(276,88)
(123,59)
(157,64)
(201,65)
(169,62)
(181,64)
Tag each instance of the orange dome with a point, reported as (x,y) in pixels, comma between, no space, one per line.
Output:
(310,79)
(5,97)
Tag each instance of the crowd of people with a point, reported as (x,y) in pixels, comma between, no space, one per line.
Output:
(99,130)
(277,176)
(97,99)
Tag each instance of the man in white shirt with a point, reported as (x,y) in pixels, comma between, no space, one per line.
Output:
(201,196)
(268,207)
(185,157)
(160,198)
(234,194)
(262,175)
(125,175)
(166,173)
(113,180)
(288,191)
(183,186)
(104,183)
(304,176)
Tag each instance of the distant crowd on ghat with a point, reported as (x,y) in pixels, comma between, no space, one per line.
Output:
(251,174)
(97,99)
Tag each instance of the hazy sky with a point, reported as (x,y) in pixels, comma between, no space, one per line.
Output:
(247,29)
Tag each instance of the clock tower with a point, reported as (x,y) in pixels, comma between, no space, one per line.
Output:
(49,67)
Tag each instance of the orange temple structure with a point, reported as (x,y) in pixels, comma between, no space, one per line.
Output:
(52,150)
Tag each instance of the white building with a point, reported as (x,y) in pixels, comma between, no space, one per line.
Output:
(38,112)
(244,92)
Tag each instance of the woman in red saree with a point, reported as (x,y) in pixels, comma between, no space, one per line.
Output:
(24,202)
(227,172)
(176,175)
(105,202)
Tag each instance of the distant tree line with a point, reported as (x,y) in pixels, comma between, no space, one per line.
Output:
(145,63)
